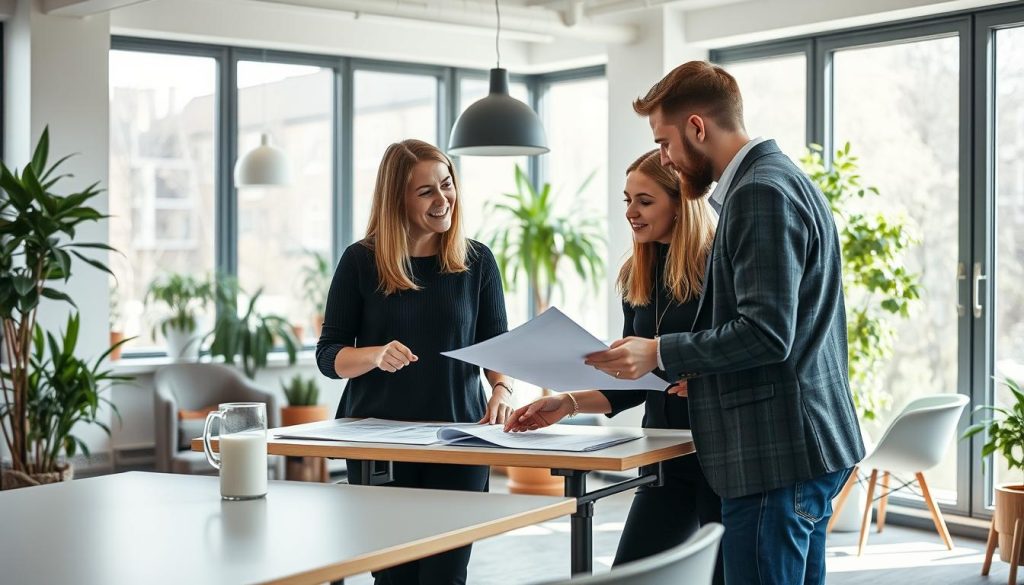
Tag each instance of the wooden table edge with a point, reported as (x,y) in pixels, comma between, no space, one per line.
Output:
(425,547)
(465,455)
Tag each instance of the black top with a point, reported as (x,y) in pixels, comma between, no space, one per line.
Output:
(662,410)
(450,311)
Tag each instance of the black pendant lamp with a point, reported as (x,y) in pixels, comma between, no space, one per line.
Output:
(499,124)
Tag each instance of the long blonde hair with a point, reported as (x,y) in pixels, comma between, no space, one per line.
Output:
(692,234)
(387,234)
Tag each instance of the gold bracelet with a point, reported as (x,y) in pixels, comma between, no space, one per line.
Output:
(575,405)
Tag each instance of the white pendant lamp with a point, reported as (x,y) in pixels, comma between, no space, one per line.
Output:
(266,165)
(498,125)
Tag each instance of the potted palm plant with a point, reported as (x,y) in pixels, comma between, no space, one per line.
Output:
(184,296)
(46,389)
(1004,434)
(534,241)
(247,336)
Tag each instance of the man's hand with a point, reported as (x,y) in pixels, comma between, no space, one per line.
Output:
(627,359)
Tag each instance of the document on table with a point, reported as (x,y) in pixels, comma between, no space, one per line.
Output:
(548,351)
(555,438)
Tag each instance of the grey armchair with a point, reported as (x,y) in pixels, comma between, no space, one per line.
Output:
(193,387)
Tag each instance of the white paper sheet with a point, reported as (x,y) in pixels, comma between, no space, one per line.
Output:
(373,430)
(548,351)
(553,438)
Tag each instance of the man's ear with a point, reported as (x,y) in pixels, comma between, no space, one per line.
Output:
(695,124)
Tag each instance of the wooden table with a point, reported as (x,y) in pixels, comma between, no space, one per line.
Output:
(156,528)
(646,453)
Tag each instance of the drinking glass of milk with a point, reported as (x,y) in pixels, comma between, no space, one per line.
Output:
(243,449)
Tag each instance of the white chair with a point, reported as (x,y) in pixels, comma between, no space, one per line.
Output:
(915,441)
(692,562)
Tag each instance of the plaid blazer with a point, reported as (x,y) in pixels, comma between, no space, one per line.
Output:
(769,389)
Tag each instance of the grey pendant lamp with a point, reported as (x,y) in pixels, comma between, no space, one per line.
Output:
(499,124)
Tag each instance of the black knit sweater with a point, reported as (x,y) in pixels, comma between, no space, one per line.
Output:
(450,311)
(663,411)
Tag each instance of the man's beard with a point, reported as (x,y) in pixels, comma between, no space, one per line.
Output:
(695,179)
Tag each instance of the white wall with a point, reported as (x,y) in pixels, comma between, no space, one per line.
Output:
(56,76)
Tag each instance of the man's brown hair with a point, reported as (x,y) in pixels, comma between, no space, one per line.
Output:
(696,87)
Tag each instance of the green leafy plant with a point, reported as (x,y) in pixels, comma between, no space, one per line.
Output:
(64,391)
(247,336)
(184,296)
(316,281)
(301,391)
(878,287)
(532,239)
(1005,430)
(38,245)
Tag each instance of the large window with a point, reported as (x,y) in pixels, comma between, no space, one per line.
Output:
(932,108)
(389,107)
(1009,220)
(906,136)
(774,93)
(282,229)
(178,108)
(485,179)
(162,178)
(576,119)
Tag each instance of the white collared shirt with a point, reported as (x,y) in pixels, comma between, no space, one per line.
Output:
(725,181)
(717,198)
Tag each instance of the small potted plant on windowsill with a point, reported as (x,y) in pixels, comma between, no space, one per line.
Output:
(303,402)
(1004,434)
(249,336)
(184,296)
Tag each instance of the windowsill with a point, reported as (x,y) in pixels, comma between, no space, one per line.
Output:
(148,365)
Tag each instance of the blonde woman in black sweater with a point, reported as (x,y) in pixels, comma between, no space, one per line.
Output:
(413,287)
(660,286)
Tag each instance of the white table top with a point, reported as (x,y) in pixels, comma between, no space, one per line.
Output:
(152,528)
(655,445)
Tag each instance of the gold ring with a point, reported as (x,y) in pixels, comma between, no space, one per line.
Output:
(616,373)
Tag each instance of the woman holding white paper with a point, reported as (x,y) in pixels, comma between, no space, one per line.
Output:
(413,287)
(660,285)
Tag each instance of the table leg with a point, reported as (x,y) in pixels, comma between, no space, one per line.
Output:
(582,524)
(582,521)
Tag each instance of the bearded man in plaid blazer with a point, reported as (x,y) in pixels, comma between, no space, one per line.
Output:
(765,365)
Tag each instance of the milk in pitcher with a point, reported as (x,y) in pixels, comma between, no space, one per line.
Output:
(243,465)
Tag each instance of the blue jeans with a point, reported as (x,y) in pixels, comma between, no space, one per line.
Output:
(778,537)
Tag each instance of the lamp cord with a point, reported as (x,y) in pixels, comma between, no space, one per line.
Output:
(497,35)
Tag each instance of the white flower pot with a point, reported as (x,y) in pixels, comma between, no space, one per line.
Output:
(182,345)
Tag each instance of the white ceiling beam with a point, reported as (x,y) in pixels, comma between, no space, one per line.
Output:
(83,8)
(518,18)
